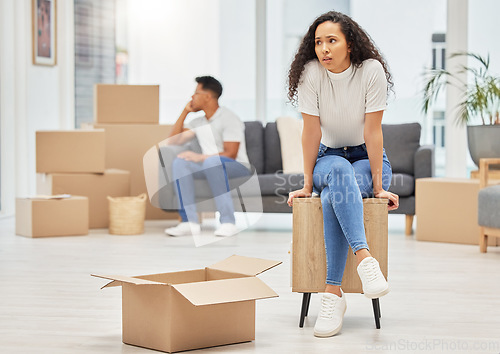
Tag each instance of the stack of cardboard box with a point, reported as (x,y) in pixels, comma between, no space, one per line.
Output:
(73,162)
(106,160)
(70,162)
(129,116)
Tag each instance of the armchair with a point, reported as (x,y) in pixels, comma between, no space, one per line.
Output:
(488,211)
(409,161)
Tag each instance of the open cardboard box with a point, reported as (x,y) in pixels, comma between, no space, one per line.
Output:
(193,309)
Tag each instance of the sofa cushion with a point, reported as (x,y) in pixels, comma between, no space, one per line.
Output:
(290,133)
(254,138)
(272,146)
(203,190)
(401,141)
(273,184)
(279,183)
(489,207)
(402,184)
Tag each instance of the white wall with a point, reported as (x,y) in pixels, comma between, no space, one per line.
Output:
(287,23)
(170,43)
(484,30)
(402,30)
(237,60)
(32,97)
(223,32)
(7,122)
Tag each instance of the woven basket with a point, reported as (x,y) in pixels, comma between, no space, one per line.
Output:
(127,214)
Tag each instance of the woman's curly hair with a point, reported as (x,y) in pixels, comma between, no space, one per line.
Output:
(361,45)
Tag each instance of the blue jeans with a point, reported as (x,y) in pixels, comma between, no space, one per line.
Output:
(216,169)
(342,177)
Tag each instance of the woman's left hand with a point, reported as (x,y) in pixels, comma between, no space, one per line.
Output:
(393,199)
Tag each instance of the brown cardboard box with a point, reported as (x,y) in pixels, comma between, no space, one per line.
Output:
(70,151)
(127,104)
(126,145)
(52,217)
(446,210)
(115,183)
(193,309)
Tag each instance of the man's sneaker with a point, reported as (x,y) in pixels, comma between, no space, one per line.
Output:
(183,229)
(331,315)
(226,230)
(374,283)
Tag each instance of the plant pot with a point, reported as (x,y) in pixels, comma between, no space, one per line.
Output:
(484,141)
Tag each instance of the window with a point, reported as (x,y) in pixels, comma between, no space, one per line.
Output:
(94,53)
(438,51)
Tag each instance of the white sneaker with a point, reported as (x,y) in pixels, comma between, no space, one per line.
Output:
(183,229)
(331,315)
(374,283)
(226,230)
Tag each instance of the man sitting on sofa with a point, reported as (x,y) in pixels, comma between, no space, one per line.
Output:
(221,135)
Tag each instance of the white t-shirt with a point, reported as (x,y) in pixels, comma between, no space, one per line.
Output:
(223,126)
(341,100)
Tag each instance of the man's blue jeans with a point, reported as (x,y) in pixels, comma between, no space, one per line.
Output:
(216,169)
(342,177)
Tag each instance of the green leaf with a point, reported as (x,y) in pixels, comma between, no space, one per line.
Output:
(482,93)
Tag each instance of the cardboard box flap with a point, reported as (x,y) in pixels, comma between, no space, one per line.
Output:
(245,265)
(124,279)
(224,291)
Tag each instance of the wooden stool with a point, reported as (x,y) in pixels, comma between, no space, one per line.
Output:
(309,256)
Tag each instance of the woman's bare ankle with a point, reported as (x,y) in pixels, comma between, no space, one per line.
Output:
(362,254)
(333,289)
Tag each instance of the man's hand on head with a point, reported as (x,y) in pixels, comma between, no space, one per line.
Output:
(189,107)
(192,156)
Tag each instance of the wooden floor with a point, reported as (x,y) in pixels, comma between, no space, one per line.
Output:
(444,297)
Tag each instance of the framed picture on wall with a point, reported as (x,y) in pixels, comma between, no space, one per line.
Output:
(44,32)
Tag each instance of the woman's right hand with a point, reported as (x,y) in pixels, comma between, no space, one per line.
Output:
(304,192)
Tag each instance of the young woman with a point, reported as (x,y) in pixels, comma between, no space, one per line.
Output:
(341,82)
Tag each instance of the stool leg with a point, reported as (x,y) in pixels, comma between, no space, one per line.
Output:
(376,312)
(305,308)
(308,302)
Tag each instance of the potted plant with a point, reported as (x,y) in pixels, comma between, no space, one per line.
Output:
(481,100)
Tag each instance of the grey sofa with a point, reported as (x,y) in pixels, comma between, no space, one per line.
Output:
(269,195)
(409,161)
